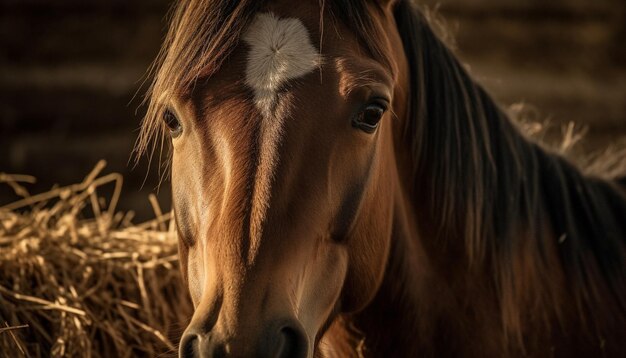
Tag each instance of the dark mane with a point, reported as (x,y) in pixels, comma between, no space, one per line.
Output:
(504,195)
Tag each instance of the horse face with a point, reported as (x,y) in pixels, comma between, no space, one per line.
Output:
(282,183)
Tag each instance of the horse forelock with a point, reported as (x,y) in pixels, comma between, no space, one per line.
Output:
(201,36)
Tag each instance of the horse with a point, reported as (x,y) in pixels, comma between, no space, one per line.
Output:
(342,188)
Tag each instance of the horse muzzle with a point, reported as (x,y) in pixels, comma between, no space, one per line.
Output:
(286,339)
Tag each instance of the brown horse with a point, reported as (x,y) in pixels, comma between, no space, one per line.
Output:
(343,188)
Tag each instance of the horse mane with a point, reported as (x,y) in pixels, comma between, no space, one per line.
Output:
(518,208)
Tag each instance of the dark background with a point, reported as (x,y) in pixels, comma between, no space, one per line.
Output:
(69,70)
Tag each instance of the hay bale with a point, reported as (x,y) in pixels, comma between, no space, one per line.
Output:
(79,279)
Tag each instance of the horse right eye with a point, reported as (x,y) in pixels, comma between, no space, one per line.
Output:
(369,118)
(172,123)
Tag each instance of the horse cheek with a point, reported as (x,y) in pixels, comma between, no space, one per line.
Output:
(368,252)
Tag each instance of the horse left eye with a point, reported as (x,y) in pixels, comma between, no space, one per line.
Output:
(369,118)
(172,123)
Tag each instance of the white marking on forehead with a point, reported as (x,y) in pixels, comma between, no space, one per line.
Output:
(280,50)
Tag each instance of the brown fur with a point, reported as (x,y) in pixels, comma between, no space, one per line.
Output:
(445,233)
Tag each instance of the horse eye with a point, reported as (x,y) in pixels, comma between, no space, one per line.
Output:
(172,123)
(369,117)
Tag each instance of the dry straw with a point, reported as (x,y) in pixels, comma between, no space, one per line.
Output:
(74,284)
(606,159)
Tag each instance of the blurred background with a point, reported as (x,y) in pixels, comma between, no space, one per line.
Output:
(70,69)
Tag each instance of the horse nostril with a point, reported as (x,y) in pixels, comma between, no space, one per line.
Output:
(293,343)
(189,346)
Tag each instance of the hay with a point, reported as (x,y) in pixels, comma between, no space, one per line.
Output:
(605,160)
(78,279)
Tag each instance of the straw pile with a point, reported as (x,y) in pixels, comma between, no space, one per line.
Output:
(78,279)
(571,140)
